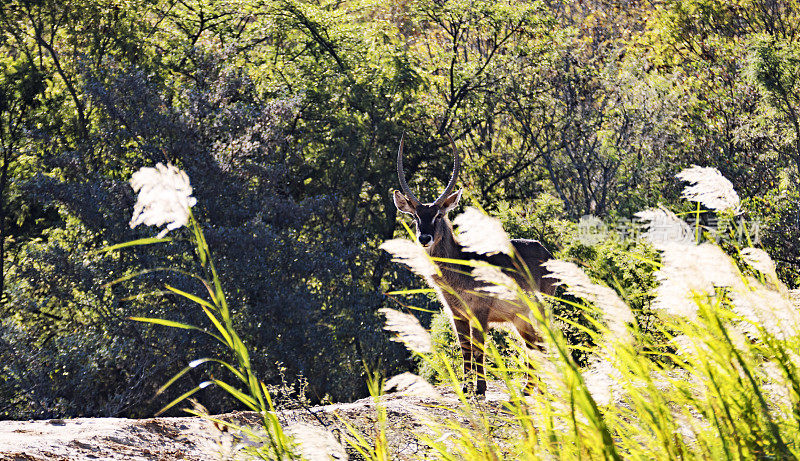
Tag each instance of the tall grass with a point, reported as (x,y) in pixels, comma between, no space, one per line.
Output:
(165,199)
(723,384)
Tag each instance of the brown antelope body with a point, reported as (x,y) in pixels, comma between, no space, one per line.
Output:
(472,311)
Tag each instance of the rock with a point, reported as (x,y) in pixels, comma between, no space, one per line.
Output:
(319,431)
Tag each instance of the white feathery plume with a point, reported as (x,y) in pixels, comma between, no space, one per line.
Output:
(663,227)
(738,339)
(664,380)
(684,346)
(673,295)
(772,310)
(482,234)
(689,423)
(614,310)
(549,372)
(688,346)
(411,384)
(776,387)
(710,188)
(500,284)
(759,260)
(602,381)
(691,270)
(165,197)
(409,331)
(412,255)
(794,298)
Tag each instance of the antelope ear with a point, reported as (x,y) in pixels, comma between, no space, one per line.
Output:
(451,201)
(402,203)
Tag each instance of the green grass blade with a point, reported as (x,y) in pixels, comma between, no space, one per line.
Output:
(184,396)
(178,375)
(410,292)
(191,297)
(462,262)
(166,323)
(239,395)
(138,242)
(173,324)
(225,335)
(148,271)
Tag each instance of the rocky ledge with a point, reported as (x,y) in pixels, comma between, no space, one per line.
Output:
(318,430)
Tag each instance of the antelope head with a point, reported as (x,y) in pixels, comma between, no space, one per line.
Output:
(430,218)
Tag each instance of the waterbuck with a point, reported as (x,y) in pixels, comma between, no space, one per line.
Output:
(471,311)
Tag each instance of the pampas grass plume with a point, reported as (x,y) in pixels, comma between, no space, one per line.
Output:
(688,271)
(614,310)
(664,227)
(412,255)
(408,329)
(410,384)
(710,188)
(482,234)
(500,284)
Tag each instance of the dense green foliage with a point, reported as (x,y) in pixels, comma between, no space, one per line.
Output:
(286,116)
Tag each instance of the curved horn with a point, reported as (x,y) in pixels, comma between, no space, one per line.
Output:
(454,177)
(402,176)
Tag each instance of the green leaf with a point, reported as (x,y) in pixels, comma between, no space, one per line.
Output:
(170,323)
(179,374)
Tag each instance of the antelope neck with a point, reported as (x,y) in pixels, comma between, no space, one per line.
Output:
(447,247)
